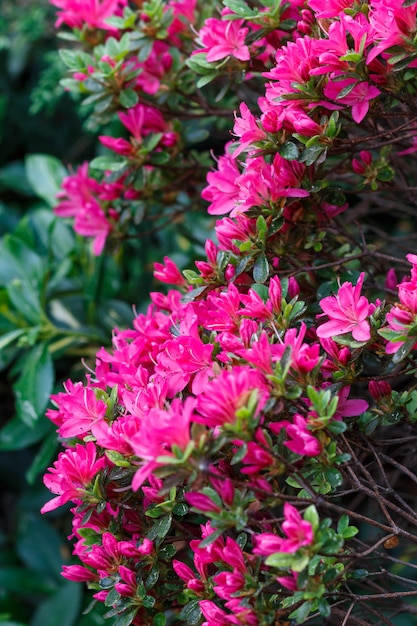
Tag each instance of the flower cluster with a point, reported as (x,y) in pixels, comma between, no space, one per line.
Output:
(204,450)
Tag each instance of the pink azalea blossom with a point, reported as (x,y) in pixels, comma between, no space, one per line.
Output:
(298,533)
(358,98)
(159,431)
(229,392)
(93,13)
(348,312)
(72,474)
(168,272)
(301,440)
(220,39)
(79,410)
(222,191)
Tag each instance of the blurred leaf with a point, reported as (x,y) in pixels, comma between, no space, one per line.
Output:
(25,300)
(19,579)
(13,177)
(34,385)
(15,435)
(9,337)
(60,609)
(45,173)
(43,457)
(17,260)
(39,546)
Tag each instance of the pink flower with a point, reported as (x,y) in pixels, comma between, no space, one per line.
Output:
(301,440)
(79,411)
(159,431)
(93,13)
(349,408)
(347,311)
(299,533)
(92,222)
(247,128)
(360,166)
(358,98)
(222,191)
(229,392)
(168,272)
(72,473)
(221,39)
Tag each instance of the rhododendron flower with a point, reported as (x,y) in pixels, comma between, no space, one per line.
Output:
(360,165)
(358,97)
(220,39)
(301,440)
(299,533)
(79,410)
(93,13)
(246,127)
(347,311)
(391,24)
(403,316)
(229,392)
(168,272)
(349,407)
(159,431)
(222,191)
(72,473)
(329,8)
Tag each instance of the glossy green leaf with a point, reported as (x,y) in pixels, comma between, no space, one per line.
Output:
(39,546)
(261,269)
(43,458)
(34,385)
(61,608)
(17,260)
(15,435)
(45,173)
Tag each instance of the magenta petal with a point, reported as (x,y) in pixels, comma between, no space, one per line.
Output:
(334,327)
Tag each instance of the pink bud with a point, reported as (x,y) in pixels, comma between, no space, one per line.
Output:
(379,388)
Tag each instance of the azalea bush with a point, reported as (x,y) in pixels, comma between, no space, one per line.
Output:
(243,453)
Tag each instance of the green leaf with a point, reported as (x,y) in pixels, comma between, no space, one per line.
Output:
(34,385)
(10,337)
(45,173)
(337,427)
(300,615)
(20,580)
(404,350)
(289,151)
(261,269)
(205,80)
(342,524)
(311,515)
(60,609)
(25,300)
(125,618)
(261,290)
(323,607)
(159,620)
(191,613)
(107,163)
(128,98)
(15,435)
(39,546)
(43,458)
(17,260)
(160,528)
(282,560)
